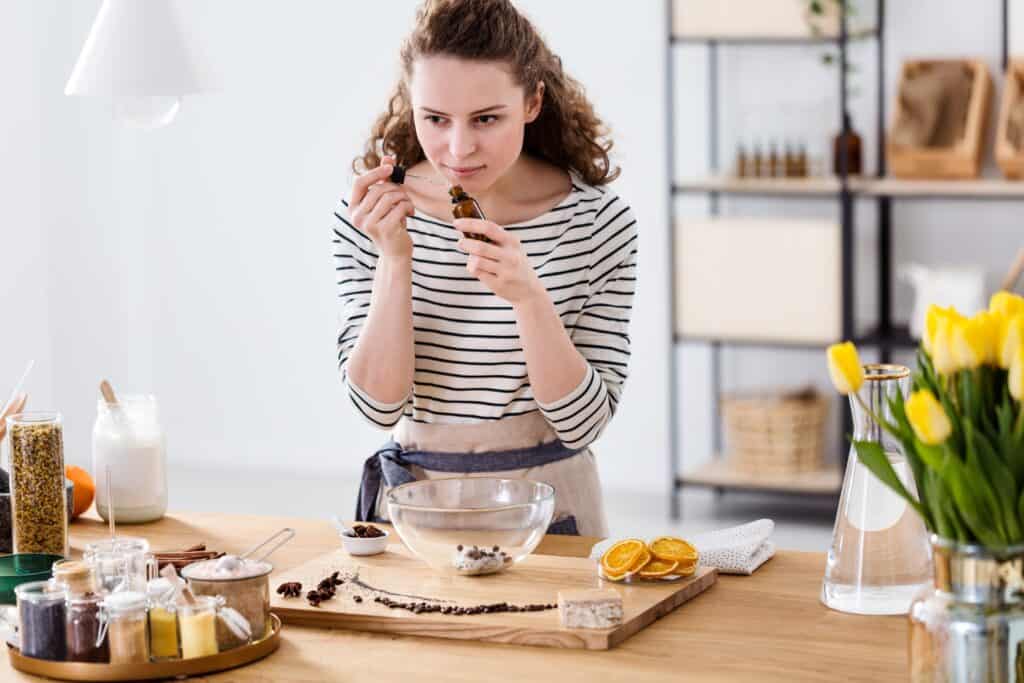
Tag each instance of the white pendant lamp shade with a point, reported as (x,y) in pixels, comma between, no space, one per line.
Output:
(137,54)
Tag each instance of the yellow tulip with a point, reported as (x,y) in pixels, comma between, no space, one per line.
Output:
(1011,337)
(1006,304)
(931,323)
(1017,374)
(927,417)
(844,367)
(989,325)
(975,340)
(943,359)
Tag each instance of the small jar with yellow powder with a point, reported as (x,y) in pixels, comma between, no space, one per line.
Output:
(164,644)
(197,622)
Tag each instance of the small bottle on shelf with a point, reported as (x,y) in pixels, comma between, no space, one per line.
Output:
(773,161)
(788,160)
(801,161)
(758,162)
(847,139)
(742,164)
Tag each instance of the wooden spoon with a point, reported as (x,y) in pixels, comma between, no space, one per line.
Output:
(1010,281)
(186,591)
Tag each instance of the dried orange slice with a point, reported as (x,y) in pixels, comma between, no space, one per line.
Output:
(622,556)
(672,549)
(613,577)
(641,561)
(656,568)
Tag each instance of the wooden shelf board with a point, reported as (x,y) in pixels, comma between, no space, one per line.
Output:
(772,186)
(720,474)
(980,187)
(744,38)
(827,186)
(765,342)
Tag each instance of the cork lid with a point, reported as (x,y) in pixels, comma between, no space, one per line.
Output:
(77,576)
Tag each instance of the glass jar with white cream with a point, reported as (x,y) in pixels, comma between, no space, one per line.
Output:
(127,437)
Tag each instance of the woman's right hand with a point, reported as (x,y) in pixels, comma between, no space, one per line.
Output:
(379,208)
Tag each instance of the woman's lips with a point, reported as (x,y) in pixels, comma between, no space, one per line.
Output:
(464,171)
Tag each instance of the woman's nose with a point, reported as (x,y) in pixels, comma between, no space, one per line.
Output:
(462,143)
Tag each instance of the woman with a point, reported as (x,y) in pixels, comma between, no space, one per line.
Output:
(499,357)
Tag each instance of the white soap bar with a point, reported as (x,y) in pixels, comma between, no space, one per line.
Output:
(597,608)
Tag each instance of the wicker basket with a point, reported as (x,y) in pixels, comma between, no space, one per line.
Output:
(778,433)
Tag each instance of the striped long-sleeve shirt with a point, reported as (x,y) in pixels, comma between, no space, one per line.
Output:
(469,364)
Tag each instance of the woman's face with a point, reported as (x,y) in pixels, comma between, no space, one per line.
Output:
(469,118)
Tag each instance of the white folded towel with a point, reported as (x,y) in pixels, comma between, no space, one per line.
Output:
(736,550)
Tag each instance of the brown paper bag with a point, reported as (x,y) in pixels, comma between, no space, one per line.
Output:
(933,103)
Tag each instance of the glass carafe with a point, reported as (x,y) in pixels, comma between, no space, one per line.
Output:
(880,557)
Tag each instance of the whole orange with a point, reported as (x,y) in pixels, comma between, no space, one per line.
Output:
(85,488)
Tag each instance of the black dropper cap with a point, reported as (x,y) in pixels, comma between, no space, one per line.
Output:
(397,175)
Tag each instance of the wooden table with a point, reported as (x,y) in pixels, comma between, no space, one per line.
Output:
(766,627)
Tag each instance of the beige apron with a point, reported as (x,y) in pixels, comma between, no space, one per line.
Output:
(575,479)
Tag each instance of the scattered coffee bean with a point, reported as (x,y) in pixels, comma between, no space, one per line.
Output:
(494,608)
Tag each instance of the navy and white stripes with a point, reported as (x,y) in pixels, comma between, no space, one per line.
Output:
(469,361)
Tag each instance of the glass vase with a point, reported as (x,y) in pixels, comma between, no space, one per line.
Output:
(880,557)
(970,625)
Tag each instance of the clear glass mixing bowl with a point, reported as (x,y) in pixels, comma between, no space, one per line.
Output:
(471,525)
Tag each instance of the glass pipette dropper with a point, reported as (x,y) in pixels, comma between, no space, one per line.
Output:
(398,176)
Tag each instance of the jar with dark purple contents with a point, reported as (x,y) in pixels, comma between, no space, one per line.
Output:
(82,629)
(41,613)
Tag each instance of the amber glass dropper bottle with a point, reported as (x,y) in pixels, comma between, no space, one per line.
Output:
(464,206)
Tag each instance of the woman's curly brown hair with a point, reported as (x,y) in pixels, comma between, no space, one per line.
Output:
(567,133)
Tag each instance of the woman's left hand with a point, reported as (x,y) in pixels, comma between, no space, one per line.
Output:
(501,265)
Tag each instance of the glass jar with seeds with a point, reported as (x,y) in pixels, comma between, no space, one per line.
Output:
(39,504)
(41,619)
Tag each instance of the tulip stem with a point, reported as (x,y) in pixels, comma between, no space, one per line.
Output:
(950,390)
(881,423)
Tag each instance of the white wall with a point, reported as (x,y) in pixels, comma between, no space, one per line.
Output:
(25,330)
(194,261)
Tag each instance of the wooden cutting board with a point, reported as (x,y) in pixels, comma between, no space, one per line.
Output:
(537,579)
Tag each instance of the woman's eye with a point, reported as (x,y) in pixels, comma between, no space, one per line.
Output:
(487,118)
(435,119)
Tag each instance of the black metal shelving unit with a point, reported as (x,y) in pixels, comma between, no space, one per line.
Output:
(887,336)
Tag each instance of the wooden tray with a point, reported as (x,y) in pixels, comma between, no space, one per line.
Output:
(80,671)
(537,579)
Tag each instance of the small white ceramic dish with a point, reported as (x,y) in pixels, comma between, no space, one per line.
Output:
(354,545)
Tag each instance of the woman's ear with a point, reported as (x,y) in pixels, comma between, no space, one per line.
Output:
(534,103)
